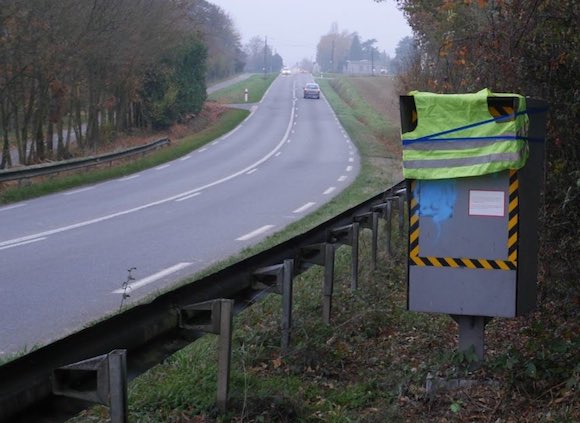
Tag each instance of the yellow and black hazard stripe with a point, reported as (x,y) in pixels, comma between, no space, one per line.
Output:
(413,223)
(470,263)
(500,107)
(463,262)
(513,217)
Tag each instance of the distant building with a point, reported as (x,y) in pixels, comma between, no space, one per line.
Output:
(358,67)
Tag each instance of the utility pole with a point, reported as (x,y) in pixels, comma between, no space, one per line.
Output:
(332,57)
(265,54)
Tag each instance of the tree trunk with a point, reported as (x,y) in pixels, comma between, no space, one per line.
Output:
(61,152)
(49,140)
(6,157)
(78,122)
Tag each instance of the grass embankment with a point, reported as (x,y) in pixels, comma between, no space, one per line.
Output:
(371,363)
(212,123)
(235,94)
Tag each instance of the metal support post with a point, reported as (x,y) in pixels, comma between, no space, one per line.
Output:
(100,380)
(283,278)
(118,386)
(472,335)
(221,324)
(401,195)
(389,227)
(224,354)
(322,255)
(348,235)
(370,221)
(328,283)
(354,256)
(375,241)
(287,285)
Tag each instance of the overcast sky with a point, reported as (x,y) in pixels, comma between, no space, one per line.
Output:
(294,27)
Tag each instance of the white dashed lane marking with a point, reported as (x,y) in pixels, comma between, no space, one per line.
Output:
(150,279)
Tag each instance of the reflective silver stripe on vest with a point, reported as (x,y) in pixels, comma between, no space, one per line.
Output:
(467,161)
(451,145)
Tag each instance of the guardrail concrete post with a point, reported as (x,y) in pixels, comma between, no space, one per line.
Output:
(221,324)
(100,380)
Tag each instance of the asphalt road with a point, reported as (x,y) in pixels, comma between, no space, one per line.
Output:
(64,257)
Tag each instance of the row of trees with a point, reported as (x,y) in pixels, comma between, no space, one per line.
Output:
(86,70)
(337,47)
(261,57)
(525,46)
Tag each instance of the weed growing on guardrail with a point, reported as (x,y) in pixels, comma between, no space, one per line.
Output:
(126,286)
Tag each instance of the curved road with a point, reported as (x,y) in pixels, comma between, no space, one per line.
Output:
(64,257)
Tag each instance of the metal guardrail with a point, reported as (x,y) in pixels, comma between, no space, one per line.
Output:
(149,333)
(67,165)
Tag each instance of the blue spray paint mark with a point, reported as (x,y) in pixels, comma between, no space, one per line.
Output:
(437,200)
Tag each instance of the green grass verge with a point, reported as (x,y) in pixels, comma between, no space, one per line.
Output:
(370,364)
(228,121)
(292,390)
(235,94)
(257,86)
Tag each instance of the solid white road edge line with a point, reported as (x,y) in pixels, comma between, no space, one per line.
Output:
(188,197)
(16,206)
(22,243)
(255,233)
(159,202)
(77,191)
(304,207)
(150,279)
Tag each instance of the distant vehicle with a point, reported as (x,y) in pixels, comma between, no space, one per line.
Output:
(286,71)
(311,90)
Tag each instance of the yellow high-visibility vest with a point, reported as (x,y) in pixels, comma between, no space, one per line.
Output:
(458,135)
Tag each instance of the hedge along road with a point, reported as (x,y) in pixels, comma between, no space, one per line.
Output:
(214,87)
(64,257)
